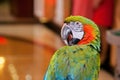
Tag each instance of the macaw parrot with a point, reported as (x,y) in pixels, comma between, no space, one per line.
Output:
(80,58)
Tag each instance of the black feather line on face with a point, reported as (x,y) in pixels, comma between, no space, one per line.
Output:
(73,41)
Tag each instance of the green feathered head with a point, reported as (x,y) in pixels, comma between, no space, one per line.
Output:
(78,30)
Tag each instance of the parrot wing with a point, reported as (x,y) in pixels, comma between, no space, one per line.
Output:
(74,63)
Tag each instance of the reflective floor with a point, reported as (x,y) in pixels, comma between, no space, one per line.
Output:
(26,49)
(23,59)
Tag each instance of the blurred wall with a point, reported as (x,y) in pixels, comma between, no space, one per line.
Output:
(116,26)
(21,8)
(117,14)
(52,10)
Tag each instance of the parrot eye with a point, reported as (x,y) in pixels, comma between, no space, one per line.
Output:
(76,26)
(77,23)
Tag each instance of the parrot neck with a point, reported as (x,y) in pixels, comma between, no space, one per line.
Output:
(90,37)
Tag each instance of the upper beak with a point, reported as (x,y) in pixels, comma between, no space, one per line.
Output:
(65,32)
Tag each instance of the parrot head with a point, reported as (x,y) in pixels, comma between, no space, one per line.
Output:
(78,30)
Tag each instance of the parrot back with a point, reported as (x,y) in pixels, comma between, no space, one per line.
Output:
(74,63)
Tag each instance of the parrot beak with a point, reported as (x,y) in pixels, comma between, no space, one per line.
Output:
(65,31)
(67,36)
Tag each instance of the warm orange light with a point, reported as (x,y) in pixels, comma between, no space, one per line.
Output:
(13,72)
(2,60)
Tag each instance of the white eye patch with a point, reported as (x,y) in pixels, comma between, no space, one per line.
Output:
(76,29)
(76,26)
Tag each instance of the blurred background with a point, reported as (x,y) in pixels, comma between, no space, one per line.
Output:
(30,34)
